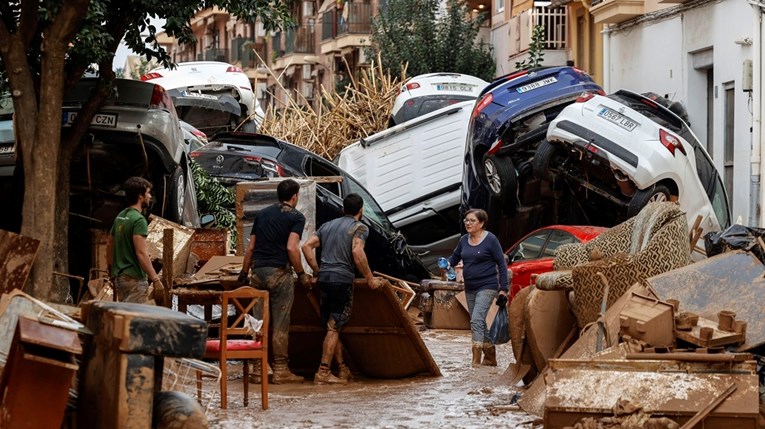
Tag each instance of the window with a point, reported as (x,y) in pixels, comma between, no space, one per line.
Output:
(371,209)
(500,6)
(530,248)
(433,228)
(728,134)
(558,238)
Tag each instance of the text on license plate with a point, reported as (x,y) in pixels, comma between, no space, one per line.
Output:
(617,118)
(456,87)
(537,84)
(101,119)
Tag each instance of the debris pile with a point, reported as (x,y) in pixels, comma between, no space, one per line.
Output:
(342,118)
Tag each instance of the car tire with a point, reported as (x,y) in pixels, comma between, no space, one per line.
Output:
(176,196)
(249,127)
(644,196)
(500,176)
(541,163)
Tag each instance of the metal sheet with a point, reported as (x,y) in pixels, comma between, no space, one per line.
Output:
(729,281)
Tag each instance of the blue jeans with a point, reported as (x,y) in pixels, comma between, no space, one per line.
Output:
(478,306)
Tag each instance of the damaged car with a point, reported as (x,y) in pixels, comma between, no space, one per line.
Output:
(507,124)
(625,150)
(135,133)
(427,93)
(237,157)
(210,95)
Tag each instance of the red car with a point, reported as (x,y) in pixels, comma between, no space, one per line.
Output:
(533,254)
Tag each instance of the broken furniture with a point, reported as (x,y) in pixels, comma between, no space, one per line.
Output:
(731,280)
(37,376)
(18,253)
(648,320)
(123,362)
(379,341)
(670,387)
(231,346)
(652,242)
(440,307)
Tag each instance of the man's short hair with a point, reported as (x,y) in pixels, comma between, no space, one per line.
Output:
(287,189)
(352,204)
(135,187)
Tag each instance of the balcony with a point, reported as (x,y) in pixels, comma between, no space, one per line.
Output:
(244,49)
(276,45)
(217,54)
(616,11)
(300,40)
(343,28)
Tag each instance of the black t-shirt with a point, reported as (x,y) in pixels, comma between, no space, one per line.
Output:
(272,227)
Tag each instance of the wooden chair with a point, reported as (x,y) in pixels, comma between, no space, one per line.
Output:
(226,348)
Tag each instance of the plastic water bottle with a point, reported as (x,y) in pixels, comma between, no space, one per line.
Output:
(444,264)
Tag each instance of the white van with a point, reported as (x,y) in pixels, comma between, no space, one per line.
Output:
(414,171)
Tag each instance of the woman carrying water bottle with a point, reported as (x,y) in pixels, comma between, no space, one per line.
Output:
(485,274)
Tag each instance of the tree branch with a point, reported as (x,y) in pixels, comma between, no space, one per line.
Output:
(28,21)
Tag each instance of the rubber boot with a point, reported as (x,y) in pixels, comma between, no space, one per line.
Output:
(489,354)
(283,375)
(476,355)
(324,376)
(344,373)
(255,372)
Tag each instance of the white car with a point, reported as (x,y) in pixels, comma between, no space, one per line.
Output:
(205,81)
(621,151)
(429,92)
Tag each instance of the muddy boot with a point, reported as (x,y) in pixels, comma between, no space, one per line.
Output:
(476,355)
(324,376)
(489,354)
(344,373)
(283,375)
(255,372)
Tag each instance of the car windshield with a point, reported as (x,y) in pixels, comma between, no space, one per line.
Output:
(372,210)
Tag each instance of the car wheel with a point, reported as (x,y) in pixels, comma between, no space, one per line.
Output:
(541,163)
(176,196)
(499,173)
(249,127)
(656,193)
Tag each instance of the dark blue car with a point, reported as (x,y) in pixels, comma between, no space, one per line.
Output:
(507,124)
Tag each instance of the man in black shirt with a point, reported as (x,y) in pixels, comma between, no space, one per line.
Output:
(273,251)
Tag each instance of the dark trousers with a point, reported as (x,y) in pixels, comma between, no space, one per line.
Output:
(281,293)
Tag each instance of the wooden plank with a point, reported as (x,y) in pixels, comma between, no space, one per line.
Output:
(719,338)
(17,254)
(168,256)
(181,242)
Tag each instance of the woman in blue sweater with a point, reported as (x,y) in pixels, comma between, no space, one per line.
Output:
(485,275)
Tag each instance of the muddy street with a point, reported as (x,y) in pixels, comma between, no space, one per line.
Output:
(463,397)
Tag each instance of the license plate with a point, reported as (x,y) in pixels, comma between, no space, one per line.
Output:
(538,84)
(456,87)
(617,118)
(101,119)
(6,148)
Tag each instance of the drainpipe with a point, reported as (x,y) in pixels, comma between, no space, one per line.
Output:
(755,215)
(606,58)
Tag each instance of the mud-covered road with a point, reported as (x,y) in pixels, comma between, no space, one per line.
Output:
(463,397)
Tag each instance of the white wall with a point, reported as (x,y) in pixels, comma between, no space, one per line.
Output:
(658,56)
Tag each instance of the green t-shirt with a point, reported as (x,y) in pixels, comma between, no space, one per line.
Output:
(128,223)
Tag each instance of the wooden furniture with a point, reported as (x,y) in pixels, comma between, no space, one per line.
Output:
(232,346)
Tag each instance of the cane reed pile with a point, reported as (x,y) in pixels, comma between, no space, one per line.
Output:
(340,119)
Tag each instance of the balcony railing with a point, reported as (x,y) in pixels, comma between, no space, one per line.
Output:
(553,19)
(217,54)
(357,19)
(300,40)
(243,50)
(276,44)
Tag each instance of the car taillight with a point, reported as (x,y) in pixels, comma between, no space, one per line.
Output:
(234,69)
(495,147)
(160,99)
(150,76)
(485,101)
(649,103)
(671,142)
(200,135)
(413,85)
(585,96)
(195,154)
(252,159)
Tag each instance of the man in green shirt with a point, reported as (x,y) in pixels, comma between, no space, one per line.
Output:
(129,261)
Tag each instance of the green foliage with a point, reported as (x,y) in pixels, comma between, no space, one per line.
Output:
(143,67)
(430,39)
(215,199)
(536,50)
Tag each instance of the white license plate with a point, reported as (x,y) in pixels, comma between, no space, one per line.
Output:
(6,148)
(101,119)
(456,87)
(617,118)
(538,84)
